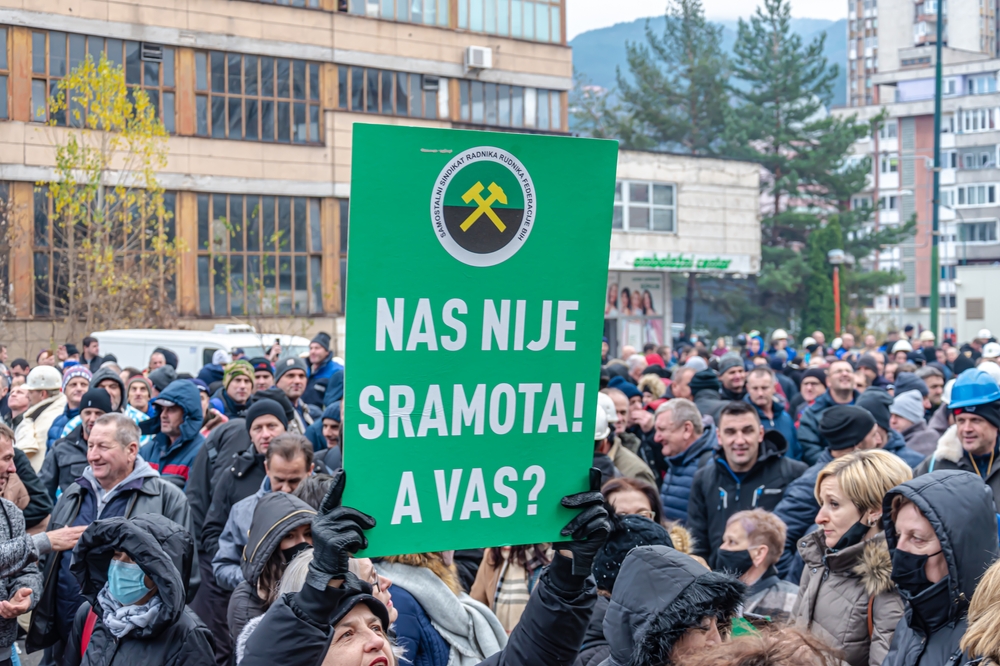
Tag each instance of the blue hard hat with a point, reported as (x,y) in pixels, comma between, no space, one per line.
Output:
(973,387)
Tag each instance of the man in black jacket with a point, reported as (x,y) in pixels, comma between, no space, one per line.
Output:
(750,472)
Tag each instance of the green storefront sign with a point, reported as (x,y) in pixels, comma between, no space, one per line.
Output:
(475,291)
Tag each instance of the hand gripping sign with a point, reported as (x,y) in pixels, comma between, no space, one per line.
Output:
(475,292)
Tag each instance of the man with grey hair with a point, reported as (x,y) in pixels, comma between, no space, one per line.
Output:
(116,483)
(636,364)
(934,379)
(687,446)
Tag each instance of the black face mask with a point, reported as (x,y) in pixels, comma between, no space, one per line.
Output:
(736,562)
(853,536)
(290,553)
(908,571)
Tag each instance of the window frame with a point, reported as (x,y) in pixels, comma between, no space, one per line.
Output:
(5,62)
(984,232)
(400,10)
(430,100)
(473,15)
(623,206)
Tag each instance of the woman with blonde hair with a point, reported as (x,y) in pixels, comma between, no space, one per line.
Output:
(846,596)
(982,639)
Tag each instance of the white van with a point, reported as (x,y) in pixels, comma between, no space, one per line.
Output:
(194,349)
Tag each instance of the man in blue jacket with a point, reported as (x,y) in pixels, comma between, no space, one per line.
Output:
(176,426)
(687,446)
(321,369)
(840,391)
(760,393)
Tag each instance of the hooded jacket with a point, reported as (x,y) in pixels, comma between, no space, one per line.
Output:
(275,516)
(174,459)
(781,422)
(675,492)
(898,446)
(811,441)
(165,552)
(921,438)
(660,594)
(835,592)
(315,393)
(949,454)
(797,509)
(960,508)
(718,492)
(31,434)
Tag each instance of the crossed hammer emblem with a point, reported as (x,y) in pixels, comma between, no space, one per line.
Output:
(475,194)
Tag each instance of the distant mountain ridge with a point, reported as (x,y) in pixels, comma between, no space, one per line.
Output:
(596,53)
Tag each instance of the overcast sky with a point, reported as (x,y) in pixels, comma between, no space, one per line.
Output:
(583,15)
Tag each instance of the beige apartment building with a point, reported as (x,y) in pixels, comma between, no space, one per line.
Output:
(259,99)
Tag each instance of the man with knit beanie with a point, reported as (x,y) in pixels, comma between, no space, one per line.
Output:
(908,418)
(237,385)
(878,403)
(76,381)
(705,388)
(732,376)
(321,370)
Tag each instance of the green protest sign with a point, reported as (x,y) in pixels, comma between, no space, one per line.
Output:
(475,296)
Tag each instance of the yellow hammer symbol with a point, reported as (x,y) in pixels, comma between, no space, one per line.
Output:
(475,194)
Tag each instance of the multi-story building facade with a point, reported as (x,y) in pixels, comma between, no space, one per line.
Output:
(907,36)
(259,99)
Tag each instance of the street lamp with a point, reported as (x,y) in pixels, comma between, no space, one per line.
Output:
(836,258)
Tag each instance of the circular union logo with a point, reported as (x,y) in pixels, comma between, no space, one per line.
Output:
(483,206)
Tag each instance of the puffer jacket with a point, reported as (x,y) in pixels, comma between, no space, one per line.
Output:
(165,551)
(717,493)
(797,509)
(960,508)
(813,443)
(781,422)
(31,434)
(173,460)
(675,492)
(319,378)
(949,454)
(841,591)
(595,648)
(275,516)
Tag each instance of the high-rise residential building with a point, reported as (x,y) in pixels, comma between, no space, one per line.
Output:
(907,35)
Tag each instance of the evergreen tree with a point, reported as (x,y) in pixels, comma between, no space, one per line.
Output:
(818,311)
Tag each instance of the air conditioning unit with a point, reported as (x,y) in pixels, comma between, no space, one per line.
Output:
(151,52)
(478,57)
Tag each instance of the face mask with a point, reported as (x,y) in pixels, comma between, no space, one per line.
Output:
(126,582)
(736,562)
(853,536)
(908,571)
(290,553)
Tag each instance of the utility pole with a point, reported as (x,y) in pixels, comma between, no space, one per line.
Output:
(935,224)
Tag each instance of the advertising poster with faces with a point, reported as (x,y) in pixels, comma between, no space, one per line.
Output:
(634,309)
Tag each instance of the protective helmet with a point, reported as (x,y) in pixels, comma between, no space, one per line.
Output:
(43,378)
(973,387)
(601,429)
(927,336)
(837,343)
(605,402)
(902,345)
(779,334)
(808,341)
(991,350)
(984,334)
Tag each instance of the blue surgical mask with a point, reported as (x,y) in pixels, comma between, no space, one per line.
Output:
(126,582)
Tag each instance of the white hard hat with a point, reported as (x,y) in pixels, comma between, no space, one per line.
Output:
(992,369)
(605,402)
(991,350)
(43,378)
(779,334)
(601,429)
(837,343)
(902,345)
(221,357)
(808,341)
(927,336)
(946,394)
(984,334)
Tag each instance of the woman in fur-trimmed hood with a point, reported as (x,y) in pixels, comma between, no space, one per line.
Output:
(846,594)
(665,604)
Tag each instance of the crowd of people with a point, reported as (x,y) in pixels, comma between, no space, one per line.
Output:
(749,503)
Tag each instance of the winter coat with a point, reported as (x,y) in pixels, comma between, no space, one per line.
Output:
(64,463)
(717,493)
(39,507)
(318,379)
(961,511)
(595,648)
(550,631)
(165,551)
(227,559)
(211,373)
(841,591)
(141,493)
(898,446)
(629,464)
(781,422)
(328,461)
(810,440)
(174,459)
(659,594)
(56,429)
(240,480)
(675,492)
(31,435)
(939,422)
(949,454)
(797,509)
(709,403)
(921,438)
(220,449)
(274,516)
(18,568)
(470,629)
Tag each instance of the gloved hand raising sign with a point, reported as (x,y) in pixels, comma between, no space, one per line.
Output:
(589,529)
(338,533)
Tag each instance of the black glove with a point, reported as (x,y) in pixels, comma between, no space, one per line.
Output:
(590,528)
(338,533)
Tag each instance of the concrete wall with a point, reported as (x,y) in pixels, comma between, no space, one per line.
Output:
(977,282)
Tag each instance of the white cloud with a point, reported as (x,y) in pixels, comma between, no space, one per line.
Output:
(583,15)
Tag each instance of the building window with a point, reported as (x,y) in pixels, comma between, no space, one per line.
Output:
(858,203)
(52,257)
(968,161)
(428,12)
(146,66)
(889,164)
(889,130)
(975,308)
(644,206)
(540,20)
(259,255)
(509,106)
(948,272)
(380,91)
(978,232)
(312,4)
(889,203)
(976,195)
(344,206)
(4,73)
(256,98)
(981,85)
(978,120)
